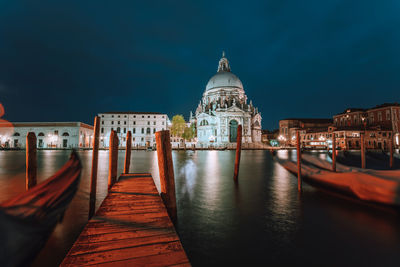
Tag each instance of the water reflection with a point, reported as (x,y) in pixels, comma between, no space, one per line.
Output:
(262,220)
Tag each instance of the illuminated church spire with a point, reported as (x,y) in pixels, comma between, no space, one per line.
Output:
(223,64)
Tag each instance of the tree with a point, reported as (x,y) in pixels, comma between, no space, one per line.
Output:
(178,126)
(188,133)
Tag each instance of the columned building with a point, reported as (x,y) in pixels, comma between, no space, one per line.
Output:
(64,135)
(143,126)
(223,107)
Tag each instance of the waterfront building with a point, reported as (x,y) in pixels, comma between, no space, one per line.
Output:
(223,107)
(378,121)
(143,126)
(63,135)
(288,128)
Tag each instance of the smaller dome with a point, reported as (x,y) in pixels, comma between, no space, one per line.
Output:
(224,79)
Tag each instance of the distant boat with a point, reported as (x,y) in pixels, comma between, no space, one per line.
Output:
(27,220)
(365,184)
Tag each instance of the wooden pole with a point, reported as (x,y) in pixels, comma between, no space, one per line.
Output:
(299,182)
(391,150)
(238,152)
(128,152)
(31,161)
(362,150)
(113,160)
(95,163)
(166,169)
(333,152)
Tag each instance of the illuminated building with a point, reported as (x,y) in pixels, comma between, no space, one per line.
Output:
(222,108)
(63,135)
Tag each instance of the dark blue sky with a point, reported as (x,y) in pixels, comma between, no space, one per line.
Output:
(69,61)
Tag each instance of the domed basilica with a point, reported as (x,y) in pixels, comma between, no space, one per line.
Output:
(223,107)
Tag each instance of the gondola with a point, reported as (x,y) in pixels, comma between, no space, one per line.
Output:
(369,185)
(27,220)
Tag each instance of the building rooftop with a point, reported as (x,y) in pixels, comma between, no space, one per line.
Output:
(46,124)
(133,112)
(350,110)
(315,120)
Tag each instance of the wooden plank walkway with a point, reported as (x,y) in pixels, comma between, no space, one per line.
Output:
(131,228)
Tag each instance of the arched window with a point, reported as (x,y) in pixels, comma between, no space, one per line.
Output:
(257,124)
(41,134)
(148,131)
(203,123)
(65,134)
(16,134)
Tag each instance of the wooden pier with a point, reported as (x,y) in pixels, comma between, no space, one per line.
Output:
(131,228)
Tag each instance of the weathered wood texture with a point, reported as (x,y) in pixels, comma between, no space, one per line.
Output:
(31,161)
(166,169)
(333,152)
(391,150)
(362,150)
(128,152)
(238,152)
(113,159)
(131,228)
(298,147)
(95,163)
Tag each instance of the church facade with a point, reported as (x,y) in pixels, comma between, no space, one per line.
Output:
(223,107)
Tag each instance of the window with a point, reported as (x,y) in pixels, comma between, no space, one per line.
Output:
(154,123)
(134,122)
(102,130)
(118,130)
(112,116)
(154,130)
(148,117)
(41,134)
(112,122)
(16,134)
(379,116)
(112,129)
(388,115)
(65,134)
(133,139)
(125,116)
(154,117)
(124,122)
(203,123)
(119,122)
(142,116)
(55,132)
(142,130)
(119,116)
(148,123)
(134,130)
(142,139)
(134,116)
(162,123)
(102,122)
(148,131)
(102,116)
(124,130)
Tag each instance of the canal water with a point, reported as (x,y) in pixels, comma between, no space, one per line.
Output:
(261,221)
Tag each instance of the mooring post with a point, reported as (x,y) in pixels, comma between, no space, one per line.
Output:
(31,161)
(238,152)
(113,160)
(166,170)
(333,152)
(299,182)
(128,152)
(95,163)
(362,150)
(391,150)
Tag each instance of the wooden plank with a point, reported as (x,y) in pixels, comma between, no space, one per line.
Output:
(131,228)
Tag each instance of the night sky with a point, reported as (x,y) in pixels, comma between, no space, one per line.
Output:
(69,61)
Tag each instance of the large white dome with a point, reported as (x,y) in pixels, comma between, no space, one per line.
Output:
(224,79)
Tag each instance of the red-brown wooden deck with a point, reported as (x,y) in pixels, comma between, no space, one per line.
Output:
(131,228)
